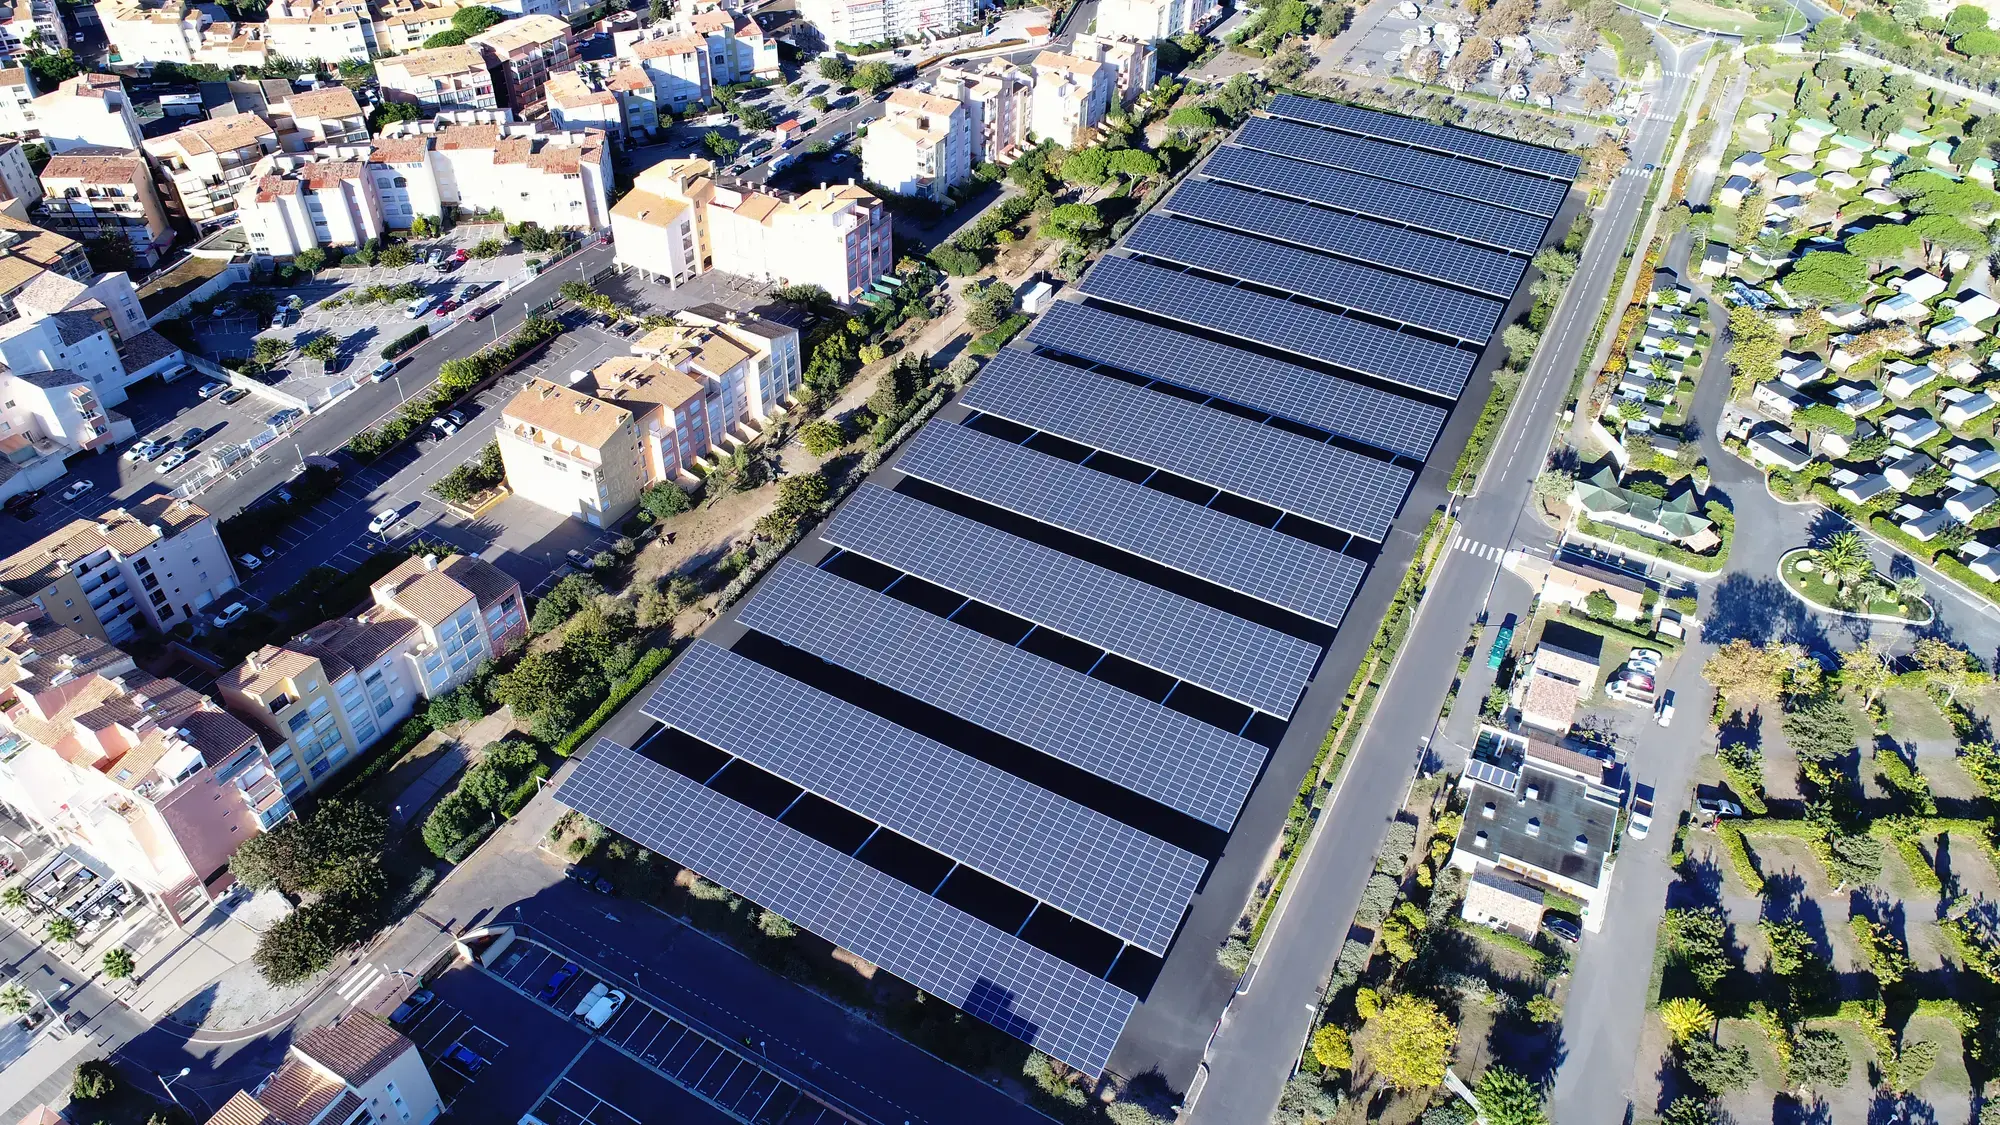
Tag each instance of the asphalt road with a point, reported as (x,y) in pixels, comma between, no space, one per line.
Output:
(1258,1040)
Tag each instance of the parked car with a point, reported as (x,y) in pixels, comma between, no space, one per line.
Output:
(589,877)
(409,1008)
(1666,710)
(229,615)
(464,1057)
(34,1019)
(249,561)
(459,255)
(1717,807)
(1641,820)
(78,489)
(146,450)
(601,1012)
(597,992)
(416,308)
(210,390)
(284,417)
(234,395)
(172,461)
(436,258)
(1645,660)
(557,980)
(22,501)
(382,522)
(1562,928)
(444,307)
(192,437)
(579,560)
(448,424)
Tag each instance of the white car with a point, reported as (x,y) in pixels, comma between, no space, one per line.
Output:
(1717,807)
(382,522)
(1641,821)
(228,616)
(212,389)
(601,1012)
(172,461)
(249,561)
(416,308)
(589,1000)
(78,489)
(1665,713)
(1645,660)
(145,451)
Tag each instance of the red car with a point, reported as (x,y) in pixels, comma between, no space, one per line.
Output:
(458,255)
(481,313)
(444,307)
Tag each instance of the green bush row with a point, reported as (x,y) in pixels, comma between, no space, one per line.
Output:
(525,792)
(455,378)
(642,672)
(406,341)
(1739,856)
(992,342)
(1680,556)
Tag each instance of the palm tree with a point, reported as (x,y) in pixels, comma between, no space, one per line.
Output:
(1843,558)
(1660,367)
(1910,588)
(15,1000)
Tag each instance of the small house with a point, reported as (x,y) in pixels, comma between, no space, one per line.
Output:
(1734,191)
(1842,445)
(1968,502)
(1802,184)
(1848,142)
(1904,471)
(1907,140)
(1785,207)
(1925,525)
(1799,161)
(1667,291)
(1855,399)
(1940,153)
(1843,160)
(1761,122)
(1911,431)
(1777,449)
(1809,134)
(1881,174)
(1982,170)
(1906,378)
(1715,260)
(1778,400)
(1900,309)
(1881,196)
(1975,306)
(1981,560)
(1800,371)
(1962,406)
(1862,489)
(1840,181)
(1920,284)
(1978,466)
(1847,315)
(1750,166)
(1953,332)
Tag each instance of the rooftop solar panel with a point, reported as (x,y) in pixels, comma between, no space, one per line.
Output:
(1361,413)
(1517,191)
(1161,754)
(1032,995)
(1406,301)
(1293,474)
(1073,858)
(1366,240)
(1270,566)
(1438,138)
(1425,210)
(1238,659)
(1369,349)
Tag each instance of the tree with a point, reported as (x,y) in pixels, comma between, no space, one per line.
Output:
(1192,118)
(16,1000)
(1687,1110)
(310,259)
(296,946)
(14,898)
(1604,159)
(1508,1098)
(92,1079)
(1596,96)
(1746,673)
(63,928)
(1931,193)
(1827,277)
(324,347)
(475,19)
(119,964)
(1520,341)
(1332,1048)
(870,77)
(1716,1068)
(1410,1042)
(1686,1017)
(1843,557)
(1753,350)
(1821,730)
(449,37)
(1884,242)
(755,119)
(388,113)
(834,69)
(1423,65)
(1826,36)
(1136,163)
(1085,167)
(822,436)
(724,147)
(664,500)
(1819,1058)
(1696,940)
(1073,222)
(1865,673)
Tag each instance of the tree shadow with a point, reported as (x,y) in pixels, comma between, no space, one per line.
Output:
(1743,607)
(1787,1109)
(1826,524)
(1740,729)
(1880,908)
(1700,883)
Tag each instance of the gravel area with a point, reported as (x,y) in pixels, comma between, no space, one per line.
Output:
(241,998)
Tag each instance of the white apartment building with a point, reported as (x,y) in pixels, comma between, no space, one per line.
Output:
(17,103)
(859,22)
(89,110)
(201,166)
(22,20)
(143,775)
(166,555)
(677,222)
(440,79)
(19,188)
(358,1071)
(319,118)
(738,49)
(172,31)
(404,180)
(1147,20)
(328,30)
(552,179)
(1072,95)
(327,695)
(1135,62)
(293,204)
(107,200)
(997,96)
(401,26)
(676,62)
(921,147)
(617,98)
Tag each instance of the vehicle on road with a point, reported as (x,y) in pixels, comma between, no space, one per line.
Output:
(1641,821)
(383,521)
(1562,928)
(601,1012)
(210,390)
(249,561)
(480,313)
(78,489)
(444,307)
(578,559)
(34,1019)
(557,980)
(411,1006)
(234,395)
(384,371)
(284,417)
(597,992)
(75,1021)
(172,461)
(1665,711)
(229,615)
(416,308)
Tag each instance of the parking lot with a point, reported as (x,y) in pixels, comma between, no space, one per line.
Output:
(1377,47)
(454,1046)
(655,1053)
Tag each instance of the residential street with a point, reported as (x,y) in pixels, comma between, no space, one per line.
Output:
(1259,1038)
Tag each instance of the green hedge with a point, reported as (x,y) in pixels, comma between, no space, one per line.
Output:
(992,342)
(1615,632)
(406,341)
(525,792)
(1680,556)
(1739,856)
(648,666)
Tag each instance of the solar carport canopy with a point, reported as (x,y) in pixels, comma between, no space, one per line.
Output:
(1447,139)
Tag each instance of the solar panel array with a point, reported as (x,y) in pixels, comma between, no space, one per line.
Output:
(1345,341)
(1165,755)
(1365,240)
(1321,482)
(1425,210)
(1077,860)
(1439,138)
(995,976)
(1516,191)
(1270,566)
(1234,658)
(1033,682)
(1359,413)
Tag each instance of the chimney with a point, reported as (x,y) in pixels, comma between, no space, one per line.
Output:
(430,562)
(251,662)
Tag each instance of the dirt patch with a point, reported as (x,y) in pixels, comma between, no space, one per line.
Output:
(241,998)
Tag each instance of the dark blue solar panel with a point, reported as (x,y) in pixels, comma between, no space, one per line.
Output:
(1425,210)
(1447,139)
(1517,191)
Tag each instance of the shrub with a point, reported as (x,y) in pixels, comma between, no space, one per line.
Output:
(406,341)
(92,1079)
(1716,1068)
(1377,897)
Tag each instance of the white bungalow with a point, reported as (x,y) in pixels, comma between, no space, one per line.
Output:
(1962,406)
(1777,449)
(1981,560)
(1733,191)
(1953,332)
(1858,489)
(1900,309)
(1910,431)
(1920,284)
(1882,196)
(1855,399)
(1778,400)
(1906,378)
(1847,315)
(1969,502)
(1803,184)
(1750,166)
(1978,466)
(1922,525)
(1975,306)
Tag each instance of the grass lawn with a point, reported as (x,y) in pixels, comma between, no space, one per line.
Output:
(1694,13)
(1810,583)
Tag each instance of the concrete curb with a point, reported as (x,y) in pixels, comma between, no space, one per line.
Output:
(1836,610)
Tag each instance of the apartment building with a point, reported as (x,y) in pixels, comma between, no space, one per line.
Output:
(27,252)
(66,331)
(325,696)
(922,146)
(573,453)
(157,562)
(677,222)
(144,774)
(17,103)
(328,30)
(1072,95)
(108,203)
(298,203)
(676,62)
(554,179)
(1146,20)
(318,118)
(738,49)
(87,111)
(996,96)
(1134,61)
(522,54)
(617,98)
(404,180)
(401,26)
(770,377)
(1548,822)
(22,21)
(439,80)
(19,189)
(860,22)
(357,1071)
(171,31)
(201,167)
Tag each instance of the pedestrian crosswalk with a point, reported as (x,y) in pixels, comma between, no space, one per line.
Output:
(1477,549)
(359,983)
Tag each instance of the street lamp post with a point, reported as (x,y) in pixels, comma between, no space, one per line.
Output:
(167,1084)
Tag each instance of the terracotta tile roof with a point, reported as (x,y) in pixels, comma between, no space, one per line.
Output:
(639,384)
(454,137)
(32,655)
(296,1093)
(426,595)
(357,1048)
(323,174)
(222,134)
(486,582)
(361,641)
(569,91)
(14,76)
(29,570)
(242,1109)
(436,61)
(269,667)
(95,169)
(1056,60)
(564,414)
(400,150)
(923,102)
(668,45)
(514,150)
(509,37)
(559,159)
(335,102)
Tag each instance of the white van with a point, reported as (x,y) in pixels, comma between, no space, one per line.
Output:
(589,1000)
(417,308)
(601,1013)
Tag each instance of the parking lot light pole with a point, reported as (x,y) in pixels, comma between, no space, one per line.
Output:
(167,1084)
